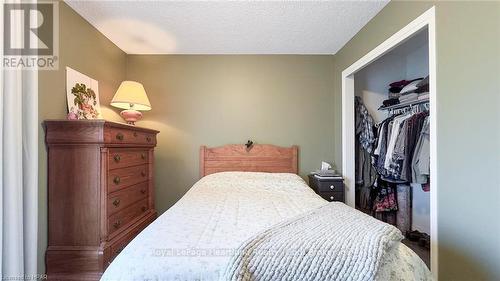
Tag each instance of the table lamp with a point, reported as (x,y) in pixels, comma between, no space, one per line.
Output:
(131,97)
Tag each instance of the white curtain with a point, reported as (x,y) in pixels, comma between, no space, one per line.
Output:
(18,169)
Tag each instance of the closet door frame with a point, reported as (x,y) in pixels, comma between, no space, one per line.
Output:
(426,20)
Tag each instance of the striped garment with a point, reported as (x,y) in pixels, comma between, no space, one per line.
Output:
(364,126)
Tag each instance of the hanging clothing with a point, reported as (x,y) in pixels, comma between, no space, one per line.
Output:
(364,126)
(390,163)
(384,196)
(414,128)
(394,150)
(381,149)
(365,142)
(421,156)
(365,173)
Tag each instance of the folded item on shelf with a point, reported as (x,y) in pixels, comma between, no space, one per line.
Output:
(408,97)
(399,84)
(395,89)
(390,102)
(423,85)
(424,82)
(403,83)
(393,95)
(422,89)
(423,96)
(411,87)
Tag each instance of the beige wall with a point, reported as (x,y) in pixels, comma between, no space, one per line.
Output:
(217,100)
(85,49)
(211,100)
(468,88)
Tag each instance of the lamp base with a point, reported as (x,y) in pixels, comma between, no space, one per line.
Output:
(131,116)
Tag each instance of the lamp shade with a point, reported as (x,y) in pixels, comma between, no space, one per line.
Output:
(131,95)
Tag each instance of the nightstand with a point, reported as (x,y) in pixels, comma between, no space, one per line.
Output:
(330,189)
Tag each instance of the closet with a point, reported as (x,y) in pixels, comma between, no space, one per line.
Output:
(392,140)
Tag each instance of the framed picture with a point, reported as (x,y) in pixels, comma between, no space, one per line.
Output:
(82,94)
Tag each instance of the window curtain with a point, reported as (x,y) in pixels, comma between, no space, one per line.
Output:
(19,168)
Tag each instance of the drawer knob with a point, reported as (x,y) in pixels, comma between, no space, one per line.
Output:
(332,186)
(144,208)
(143,191)
(148,139)
(143,173)
(116,180)
(143,156)
(135,134)
(119,136)
(331,198)
(116,202)
(117,158)
(117,224)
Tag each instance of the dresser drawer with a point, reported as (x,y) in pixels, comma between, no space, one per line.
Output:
(123,157)
(121,178)
(119,200)
(332,196)
(118,245)
(121,219)
(330,186)
(128,136)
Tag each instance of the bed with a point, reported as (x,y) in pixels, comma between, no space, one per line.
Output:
(243,191)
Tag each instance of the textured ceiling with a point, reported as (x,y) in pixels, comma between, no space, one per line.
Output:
(228,27)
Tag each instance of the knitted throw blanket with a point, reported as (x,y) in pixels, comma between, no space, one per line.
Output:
(333,242)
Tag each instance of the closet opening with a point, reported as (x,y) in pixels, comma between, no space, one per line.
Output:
(392,141)
(407,55)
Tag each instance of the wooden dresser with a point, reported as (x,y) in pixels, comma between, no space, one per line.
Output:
(100,193)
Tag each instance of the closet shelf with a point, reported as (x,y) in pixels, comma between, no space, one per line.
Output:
(405,104)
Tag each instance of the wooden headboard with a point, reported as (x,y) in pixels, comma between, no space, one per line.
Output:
(258,158)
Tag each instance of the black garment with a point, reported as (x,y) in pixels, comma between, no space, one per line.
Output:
(403,83)
(395,90)
(390,102)
(400,83)
(415,124)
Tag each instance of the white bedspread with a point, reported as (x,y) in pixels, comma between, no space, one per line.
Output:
(332,242)
(195,239)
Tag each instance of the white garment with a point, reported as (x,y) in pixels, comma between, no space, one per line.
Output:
(396,125)
(410,87)
(19,168)
(408,97)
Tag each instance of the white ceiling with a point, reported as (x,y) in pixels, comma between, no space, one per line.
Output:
(229,27)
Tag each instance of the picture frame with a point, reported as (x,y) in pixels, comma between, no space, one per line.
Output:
(82,96)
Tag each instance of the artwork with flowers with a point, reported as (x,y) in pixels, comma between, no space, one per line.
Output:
(82,94)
